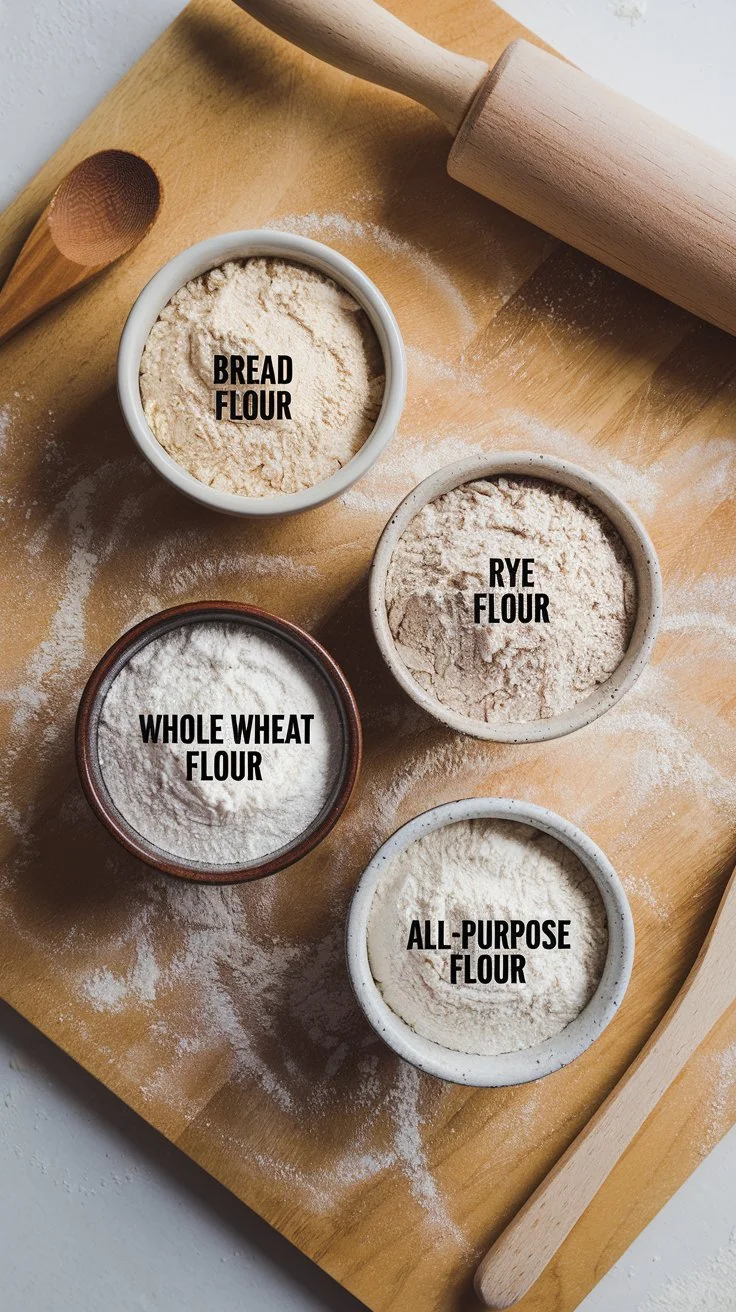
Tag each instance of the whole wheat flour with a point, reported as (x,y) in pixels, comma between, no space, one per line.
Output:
(266,310)
(482,870)
(218,668)
(510,671)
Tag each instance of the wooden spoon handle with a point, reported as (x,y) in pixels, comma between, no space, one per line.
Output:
(529,1243)
(360,37)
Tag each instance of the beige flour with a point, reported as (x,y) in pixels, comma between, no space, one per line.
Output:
(510,672)
(486,869)
(263,307)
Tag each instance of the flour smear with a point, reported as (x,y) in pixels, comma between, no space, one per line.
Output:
(226,984)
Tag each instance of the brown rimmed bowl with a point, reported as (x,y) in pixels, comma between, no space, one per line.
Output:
(107,670)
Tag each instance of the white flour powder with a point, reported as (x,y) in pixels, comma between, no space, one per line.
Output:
(633,10)
(263,307)
(510,671)
(218,668)
(710,1287)
(486,870)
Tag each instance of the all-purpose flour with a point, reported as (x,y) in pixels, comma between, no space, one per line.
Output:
(205,669)
(488,870)
(510,671)
(263,308)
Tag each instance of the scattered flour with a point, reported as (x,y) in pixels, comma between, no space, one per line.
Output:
(721,1069)
(201,976)
(704,607)
(640,889)
(711,1287)
(105,991)
(408,253)
(486,870)
(408,460)
(286,1019)
(7,416)
(631,10)
(63,649)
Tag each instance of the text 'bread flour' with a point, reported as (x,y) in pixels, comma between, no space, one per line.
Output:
(262,377)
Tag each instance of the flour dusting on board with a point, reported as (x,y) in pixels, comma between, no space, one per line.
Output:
(92,518)
(181,989)
(329,226)
(6,422)
(631,10)
(287,1019)
(721,1102)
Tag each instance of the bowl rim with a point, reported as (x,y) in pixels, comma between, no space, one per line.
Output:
(527,1064)
(634,536)
(106,670)
(245,244)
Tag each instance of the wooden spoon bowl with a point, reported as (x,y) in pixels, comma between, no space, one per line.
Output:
(104,207)
(100,211)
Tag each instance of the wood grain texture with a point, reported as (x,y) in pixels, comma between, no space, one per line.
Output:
(529,1243)
(225,1017)
(606,175)
(551,144)
(40,278)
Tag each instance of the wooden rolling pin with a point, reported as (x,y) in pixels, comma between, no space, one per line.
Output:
(548,142)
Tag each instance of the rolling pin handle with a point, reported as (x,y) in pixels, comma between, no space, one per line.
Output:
(362,38)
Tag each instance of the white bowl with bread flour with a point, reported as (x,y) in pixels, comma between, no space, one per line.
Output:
(261,373)
(515,597)
(217,742)
(489,942)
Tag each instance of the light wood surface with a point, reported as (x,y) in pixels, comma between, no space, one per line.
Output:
(526,1247)
(100,211)
(554,146)
(226,1019)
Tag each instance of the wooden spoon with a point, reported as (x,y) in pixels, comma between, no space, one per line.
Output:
(100,211)
(529,1243)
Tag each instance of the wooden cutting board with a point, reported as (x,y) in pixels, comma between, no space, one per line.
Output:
(224,1016)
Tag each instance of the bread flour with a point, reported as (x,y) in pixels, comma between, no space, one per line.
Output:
(477,870)
(510,672)
(263,307)
(205,669)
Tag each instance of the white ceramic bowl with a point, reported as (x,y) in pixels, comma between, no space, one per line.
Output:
(630,529)
(242,245)
(508,1067)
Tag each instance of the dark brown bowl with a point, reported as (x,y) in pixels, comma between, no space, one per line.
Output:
(109,667)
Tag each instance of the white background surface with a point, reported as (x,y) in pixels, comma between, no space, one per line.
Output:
(96,1210)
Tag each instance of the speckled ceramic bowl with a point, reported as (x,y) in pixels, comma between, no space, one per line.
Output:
(630,529)
(508,1067)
